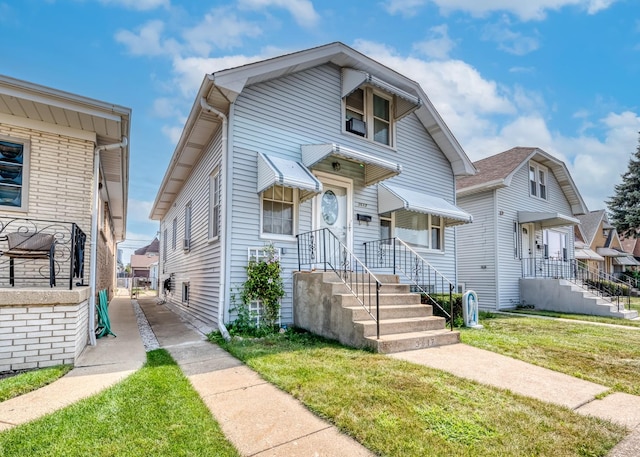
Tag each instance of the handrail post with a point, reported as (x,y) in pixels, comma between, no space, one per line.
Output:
(324,249)
(394,255)
(73,255)
(451,304)
(299,258)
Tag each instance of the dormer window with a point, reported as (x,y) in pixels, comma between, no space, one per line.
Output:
(538,181)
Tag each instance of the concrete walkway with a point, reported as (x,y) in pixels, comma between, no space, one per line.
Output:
(260,419)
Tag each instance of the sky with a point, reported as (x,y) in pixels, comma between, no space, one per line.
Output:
(561,75)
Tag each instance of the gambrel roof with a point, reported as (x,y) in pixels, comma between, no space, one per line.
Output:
(220,89)
(497,171)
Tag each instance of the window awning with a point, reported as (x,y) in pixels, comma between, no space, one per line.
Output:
(405,102)
(288,173)
(392,198)
(546,219)
(587,254)
(628,261)
(375,169)
(610,252)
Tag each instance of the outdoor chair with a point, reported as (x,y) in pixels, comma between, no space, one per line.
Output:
(30,246)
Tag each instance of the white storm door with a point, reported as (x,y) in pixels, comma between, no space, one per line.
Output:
(333,208)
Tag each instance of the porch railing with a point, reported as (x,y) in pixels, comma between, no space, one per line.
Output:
(614,290)
(395,254)
(22,245)
(322,249)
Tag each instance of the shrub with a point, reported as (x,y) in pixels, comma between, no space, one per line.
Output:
(443,301)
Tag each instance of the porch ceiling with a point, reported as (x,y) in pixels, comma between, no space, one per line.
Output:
(546,219)
(392,198)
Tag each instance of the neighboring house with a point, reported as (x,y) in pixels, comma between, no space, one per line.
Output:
(322,138)
(143,258)
(524,205)
(632,247)
(599,236)
(64,178)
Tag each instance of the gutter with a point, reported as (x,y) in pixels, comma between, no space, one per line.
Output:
(94,232)
(223,218)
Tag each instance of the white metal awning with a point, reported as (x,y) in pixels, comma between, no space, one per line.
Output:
(546,219)
(628,261)
(392,198)
(375,168)
(587,254)
(610,252)
(405,102)
(288,173)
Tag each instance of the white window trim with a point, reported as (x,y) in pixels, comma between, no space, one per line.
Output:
(26,153)
(277,236)
(368,116)
(537,169)
(174,232)
(429,227)
(188,223)
(215,175)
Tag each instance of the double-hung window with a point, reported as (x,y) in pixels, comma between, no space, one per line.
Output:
(14,155)
(174,227)
(417,229)
(278,211)
(368,114)
(187,227)
(538,181)
(214,205)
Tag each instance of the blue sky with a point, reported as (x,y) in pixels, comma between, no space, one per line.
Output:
(561,75)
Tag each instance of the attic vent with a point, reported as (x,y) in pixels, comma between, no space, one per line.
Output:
(357,126)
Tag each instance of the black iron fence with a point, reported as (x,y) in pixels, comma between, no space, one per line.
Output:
(321,249)
(33,251)
(397,256)
(610,288)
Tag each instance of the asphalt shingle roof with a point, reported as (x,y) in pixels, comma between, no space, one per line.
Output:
(496,167)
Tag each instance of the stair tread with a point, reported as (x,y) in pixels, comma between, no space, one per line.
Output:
(410,335)
(400,320)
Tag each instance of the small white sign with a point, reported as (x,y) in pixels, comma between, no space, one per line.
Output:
(470,309)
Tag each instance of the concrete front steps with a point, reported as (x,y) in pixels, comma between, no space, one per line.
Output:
(564,296)
(324,305)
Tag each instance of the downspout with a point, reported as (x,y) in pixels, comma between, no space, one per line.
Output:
(223,252)
(94,233)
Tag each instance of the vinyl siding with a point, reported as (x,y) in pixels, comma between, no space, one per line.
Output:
(477,248)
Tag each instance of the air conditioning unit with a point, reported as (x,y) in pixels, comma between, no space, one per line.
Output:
(186,244)
(357,126)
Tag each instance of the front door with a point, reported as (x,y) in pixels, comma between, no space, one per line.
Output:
(528,253)
(332,208)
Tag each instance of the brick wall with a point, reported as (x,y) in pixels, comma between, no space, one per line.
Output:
(42,335)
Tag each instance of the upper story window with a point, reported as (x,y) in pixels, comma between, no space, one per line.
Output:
(14,155)
(538,181)
(368,114)
(278,211)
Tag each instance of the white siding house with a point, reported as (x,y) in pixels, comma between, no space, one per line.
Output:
(295,143)
(523,202)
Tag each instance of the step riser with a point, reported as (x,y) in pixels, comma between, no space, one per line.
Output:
(385,300)
(369,288)
(391,328)
(396,312)
(427,341)
(332,277)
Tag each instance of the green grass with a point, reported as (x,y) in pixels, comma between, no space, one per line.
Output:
(154,412)
(604,355)
(31,380)
(396,408)
(579,317)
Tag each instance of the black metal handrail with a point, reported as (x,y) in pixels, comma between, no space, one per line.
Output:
(321,248)
(397,255)
(603,285)
(67,253)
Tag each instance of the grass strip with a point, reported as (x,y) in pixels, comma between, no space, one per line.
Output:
(23,383)
(154,412)
(604,355)
(579,317)
(396,408)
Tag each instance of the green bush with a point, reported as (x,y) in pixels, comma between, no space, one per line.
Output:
(443,301)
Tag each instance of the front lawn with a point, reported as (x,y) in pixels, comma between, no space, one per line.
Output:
(605,355)
(154,412)
(22,383)
(397,408)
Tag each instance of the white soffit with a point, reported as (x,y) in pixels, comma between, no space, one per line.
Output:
(392,198)
(546,219)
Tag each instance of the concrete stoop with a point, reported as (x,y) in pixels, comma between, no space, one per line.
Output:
(324,305)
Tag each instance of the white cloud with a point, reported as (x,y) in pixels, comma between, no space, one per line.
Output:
(140,5)
(439,44)
(301,10)
(526,10)
(148,40)
(222,29)
(172,132)
(138,210)
(508,40)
